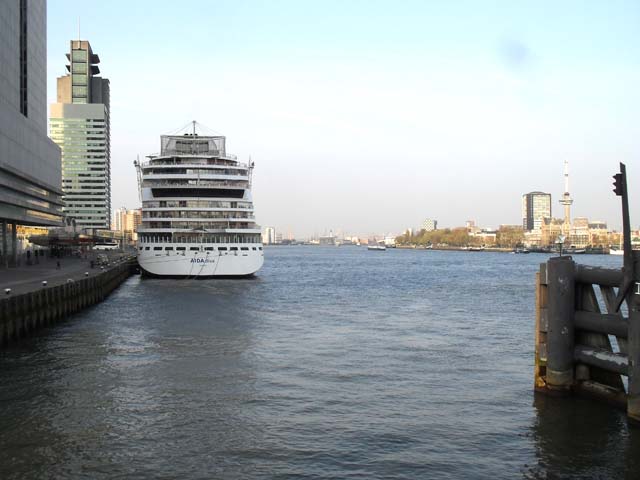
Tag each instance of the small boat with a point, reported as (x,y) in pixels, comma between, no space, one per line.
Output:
(521,250)
(616,252)
(376,246)
(476,249)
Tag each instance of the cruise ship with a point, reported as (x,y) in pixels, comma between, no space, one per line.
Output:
(197,210)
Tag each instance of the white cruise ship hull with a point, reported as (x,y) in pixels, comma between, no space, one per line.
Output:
(156,261)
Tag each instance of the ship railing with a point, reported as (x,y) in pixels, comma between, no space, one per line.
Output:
(172,204)
(194,183)
(196,218)
(184,159)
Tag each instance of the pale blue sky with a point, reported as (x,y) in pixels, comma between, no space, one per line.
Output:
(371,116)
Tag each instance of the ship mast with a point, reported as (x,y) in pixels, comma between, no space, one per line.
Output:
(193,138)
(136,163)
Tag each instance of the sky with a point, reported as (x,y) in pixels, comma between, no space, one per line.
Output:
(369,116)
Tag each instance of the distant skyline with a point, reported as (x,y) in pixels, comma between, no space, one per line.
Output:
(371,117)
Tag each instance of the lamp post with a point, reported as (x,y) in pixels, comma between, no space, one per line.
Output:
(560,241)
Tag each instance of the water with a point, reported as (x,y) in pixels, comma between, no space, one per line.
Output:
(333,363)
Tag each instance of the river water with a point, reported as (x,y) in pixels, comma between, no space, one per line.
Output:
(332,363)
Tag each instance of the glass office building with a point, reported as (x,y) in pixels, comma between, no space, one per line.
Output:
(536,206)
(79,124)
(29,161)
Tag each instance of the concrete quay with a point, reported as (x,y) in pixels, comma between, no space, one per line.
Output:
(31,305)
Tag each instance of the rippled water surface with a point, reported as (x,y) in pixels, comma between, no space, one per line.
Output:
(332,363)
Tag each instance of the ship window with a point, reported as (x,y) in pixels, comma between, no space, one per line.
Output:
(259,248)
(233,248)
(157,248)
(244,248)
(209,248)
(181,248)
(141,248)
(147,248)
(253,248)
(168,248)
(222,248)
(195,249)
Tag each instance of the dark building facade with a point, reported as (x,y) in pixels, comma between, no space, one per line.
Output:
(536,206)
(30,170)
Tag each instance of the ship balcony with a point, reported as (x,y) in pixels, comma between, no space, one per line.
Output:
(168,216)
(195,176)
(195,225)
(173,208)
(227,184)
(201,167)
(196,160)
(198,230)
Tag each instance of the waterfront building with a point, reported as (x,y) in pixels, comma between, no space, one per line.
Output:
(483,236)
(598,234)
(126,223)
(471,227)
(269,236)
(429,225)
(535,207)
(389,241)
(579,233)
(80,125)
(30,193)
(550,230)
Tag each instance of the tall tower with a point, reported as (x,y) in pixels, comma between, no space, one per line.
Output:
(80,125)
(566,200)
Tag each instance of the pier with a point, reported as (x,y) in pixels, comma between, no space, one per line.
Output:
(42,294)
(587,332)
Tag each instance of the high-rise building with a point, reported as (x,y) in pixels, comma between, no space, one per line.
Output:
(29,161)
(127,222)
(118,218)
(79,124)
(430,225)
(269,236)
(536,206)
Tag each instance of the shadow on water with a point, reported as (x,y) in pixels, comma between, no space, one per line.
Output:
(132,386)
(578,438)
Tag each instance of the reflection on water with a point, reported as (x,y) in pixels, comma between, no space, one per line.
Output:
(332,363)
(578,438)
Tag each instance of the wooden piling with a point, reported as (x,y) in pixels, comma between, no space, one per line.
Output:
(560,334)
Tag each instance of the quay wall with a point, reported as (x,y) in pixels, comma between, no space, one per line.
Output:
(22,315)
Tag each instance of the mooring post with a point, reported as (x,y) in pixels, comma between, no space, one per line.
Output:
(633,345)
(561,313)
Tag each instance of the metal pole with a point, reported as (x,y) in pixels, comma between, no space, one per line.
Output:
(561,311)
(5,253)
(633,346)
(14,244)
